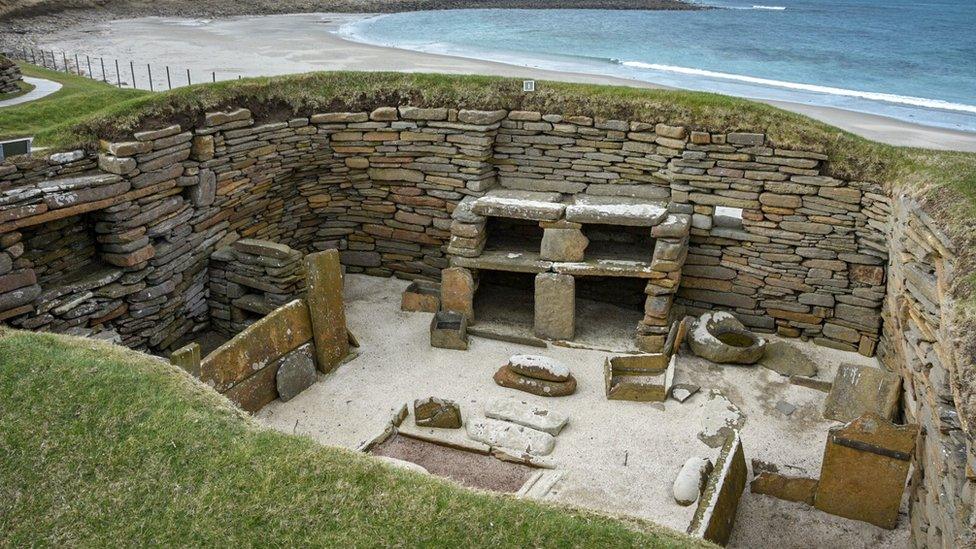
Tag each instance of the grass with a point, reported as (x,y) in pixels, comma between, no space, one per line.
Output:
(106,446)
(77,99)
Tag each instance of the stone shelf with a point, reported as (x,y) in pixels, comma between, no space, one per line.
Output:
(608,267)
(530,205)
(616,210)
(500,260)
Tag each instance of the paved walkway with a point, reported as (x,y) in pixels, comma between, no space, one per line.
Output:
(42,88)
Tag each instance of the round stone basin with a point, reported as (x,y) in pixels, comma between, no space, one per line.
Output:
(721,338)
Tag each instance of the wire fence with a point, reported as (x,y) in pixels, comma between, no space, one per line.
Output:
(122,73)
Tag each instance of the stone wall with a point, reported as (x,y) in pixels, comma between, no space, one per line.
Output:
(806,258)
(123,240)
(10,76)
(919,342)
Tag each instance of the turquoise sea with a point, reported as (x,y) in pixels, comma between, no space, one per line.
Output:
(914,60)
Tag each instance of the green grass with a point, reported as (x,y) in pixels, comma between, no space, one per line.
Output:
(77,99)
(109,447)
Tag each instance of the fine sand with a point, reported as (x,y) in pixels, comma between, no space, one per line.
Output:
(613,456)
(283,44)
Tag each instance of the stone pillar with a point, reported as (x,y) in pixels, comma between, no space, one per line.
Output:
(327,312)
(555,306)
(457,291)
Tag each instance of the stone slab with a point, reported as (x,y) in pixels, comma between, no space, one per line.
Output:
(858,390)
(528,414)
(516,262)
(785,487)
(513,204)
(255,348)
(616,210)
(508,378)
(326,309)
(495,432)
(457,291)
(864,470)
(539,367)
(555,306)
(716,510)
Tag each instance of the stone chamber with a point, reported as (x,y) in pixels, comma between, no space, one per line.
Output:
(130,242)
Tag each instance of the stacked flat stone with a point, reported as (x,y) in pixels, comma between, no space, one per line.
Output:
(249,279)
(381,187)
(918,344)
(10,76)
(538,375)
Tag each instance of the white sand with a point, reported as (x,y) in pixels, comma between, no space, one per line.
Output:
(283,44)
(618,457)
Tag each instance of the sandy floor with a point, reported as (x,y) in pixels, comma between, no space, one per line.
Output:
(283,44)
(618,457)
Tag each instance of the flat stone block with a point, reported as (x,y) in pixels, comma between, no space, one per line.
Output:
(457,291)
(716,510)
(858,390)
(523,439)
(327,311)
(525,413)
(513,204)
(616,211)
(864,470)
(555,306)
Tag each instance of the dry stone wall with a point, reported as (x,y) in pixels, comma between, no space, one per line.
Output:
(10,76)
(122,240)
(804,253)
(919,343)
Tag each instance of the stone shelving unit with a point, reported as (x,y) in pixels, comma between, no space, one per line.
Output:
(565,252)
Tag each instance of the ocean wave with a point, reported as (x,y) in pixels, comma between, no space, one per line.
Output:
(774,8)
(829,90)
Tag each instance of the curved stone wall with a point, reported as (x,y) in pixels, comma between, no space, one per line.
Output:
(120,240)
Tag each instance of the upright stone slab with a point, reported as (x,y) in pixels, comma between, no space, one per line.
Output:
(555,306)
(188,358)
(864,470)
(858,390)
(457,291)
(327,312)
(717,507)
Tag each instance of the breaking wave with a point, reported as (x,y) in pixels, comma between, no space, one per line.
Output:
(830,90)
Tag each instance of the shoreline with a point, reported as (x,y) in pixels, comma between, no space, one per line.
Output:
(313,44)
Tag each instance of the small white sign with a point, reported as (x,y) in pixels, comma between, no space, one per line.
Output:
(528,85)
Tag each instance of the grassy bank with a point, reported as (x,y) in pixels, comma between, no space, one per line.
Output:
(109,447)
(77,99)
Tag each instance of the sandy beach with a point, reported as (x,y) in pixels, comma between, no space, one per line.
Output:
(308,42)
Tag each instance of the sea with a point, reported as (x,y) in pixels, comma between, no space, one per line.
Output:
(913,60)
